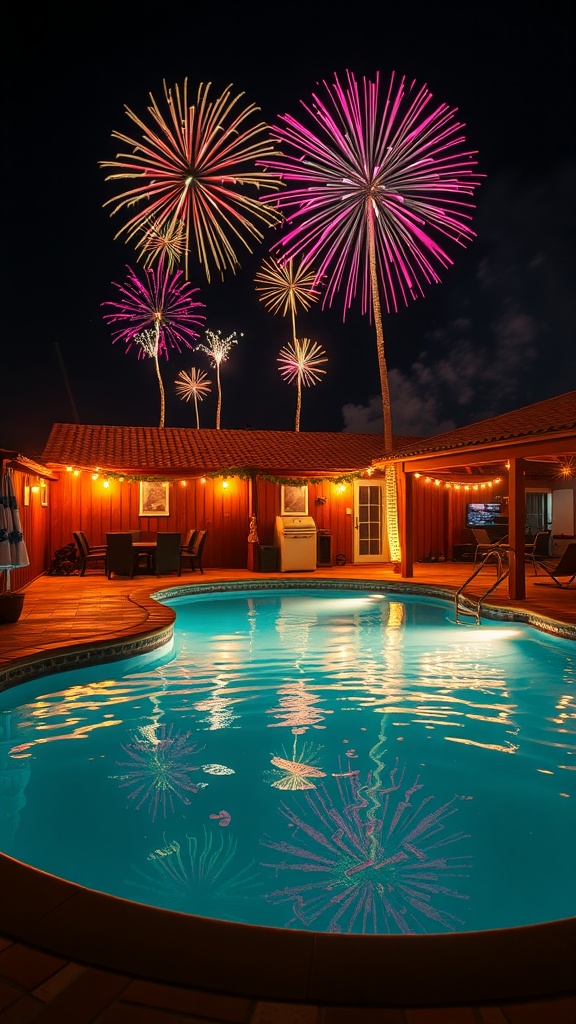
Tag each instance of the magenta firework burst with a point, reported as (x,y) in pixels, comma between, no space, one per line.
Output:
(161,301)
(368,858)
(363,162)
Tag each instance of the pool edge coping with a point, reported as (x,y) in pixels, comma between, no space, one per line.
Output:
(530,962)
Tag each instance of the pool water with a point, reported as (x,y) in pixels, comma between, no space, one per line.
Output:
(328,760)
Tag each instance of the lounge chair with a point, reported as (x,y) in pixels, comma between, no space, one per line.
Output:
(484,544)
(167,553)
(193,556)
(539,549)
(88,555)
(561,568)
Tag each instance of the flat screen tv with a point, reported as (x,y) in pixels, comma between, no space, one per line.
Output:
(486,513)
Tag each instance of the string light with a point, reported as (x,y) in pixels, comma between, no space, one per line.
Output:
(457,485)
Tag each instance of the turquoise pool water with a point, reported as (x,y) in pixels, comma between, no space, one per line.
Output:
(332,760)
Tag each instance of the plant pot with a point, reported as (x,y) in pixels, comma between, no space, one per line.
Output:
(11,605)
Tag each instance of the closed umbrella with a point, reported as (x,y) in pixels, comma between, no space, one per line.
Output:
(13,553)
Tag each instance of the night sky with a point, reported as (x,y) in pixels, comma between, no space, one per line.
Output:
(497,333)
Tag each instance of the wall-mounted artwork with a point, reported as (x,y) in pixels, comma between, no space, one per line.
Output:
(154,498)
(294,500)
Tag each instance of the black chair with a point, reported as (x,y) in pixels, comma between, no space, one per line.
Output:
(122,556)
(193,557)
(190,538)
(88,555)
(565,566)
(167,553)
(539,549)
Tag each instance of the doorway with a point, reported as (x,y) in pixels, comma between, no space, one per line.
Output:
(370,540)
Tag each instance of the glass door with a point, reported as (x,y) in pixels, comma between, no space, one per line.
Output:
(370,542)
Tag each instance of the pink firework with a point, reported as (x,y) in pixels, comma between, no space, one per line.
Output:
(156,314)
(162,301)
(394,164)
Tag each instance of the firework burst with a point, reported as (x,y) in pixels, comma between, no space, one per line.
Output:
(159,769)
(196,164)
(371,860)
(193,385)
(218,349)
(301,361)
(399,167)
(200,876)
(156,314)
(375,187)
(165,242)
(286,286)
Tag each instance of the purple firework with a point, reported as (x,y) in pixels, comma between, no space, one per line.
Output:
(156,314)
(163,302)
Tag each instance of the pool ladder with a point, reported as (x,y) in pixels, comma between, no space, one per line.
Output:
(502,572)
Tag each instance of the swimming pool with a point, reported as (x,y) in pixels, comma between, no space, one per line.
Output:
(336,760)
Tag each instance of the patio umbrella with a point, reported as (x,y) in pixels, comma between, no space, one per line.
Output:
(13,553)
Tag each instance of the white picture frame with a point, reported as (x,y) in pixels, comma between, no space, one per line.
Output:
(294,500)
(154,498)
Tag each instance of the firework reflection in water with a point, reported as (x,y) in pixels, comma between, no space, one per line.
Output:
(159,769)
(372,859)
(193,878)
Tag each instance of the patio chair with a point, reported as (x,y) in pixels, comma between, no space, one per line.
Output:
(190,538)
(484,544)
(193,556)
(561,568)
(167,553)
(538,549)
(122,557)
(86,554)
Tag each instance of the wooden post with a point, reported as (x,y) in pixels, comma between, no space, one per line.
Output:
(517,529)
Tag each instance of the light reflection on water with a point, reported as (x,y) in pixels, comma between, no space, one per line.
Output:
(334,760)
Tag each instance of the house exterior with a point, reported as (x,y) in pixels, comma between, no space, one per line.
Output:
(232,483)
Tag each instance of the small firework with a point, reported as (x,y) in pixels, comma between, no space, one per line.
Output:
(193,385)
(159,769)
(165,243)
(156,314)
(301,361)
(217,349)
(285,286)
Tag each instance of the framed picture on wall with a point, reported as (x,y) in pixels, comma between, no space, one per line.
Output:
(294,500)
(44,492)
(154,498)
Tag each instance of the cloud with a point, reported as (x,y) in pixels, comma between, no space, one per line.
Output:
(505,337)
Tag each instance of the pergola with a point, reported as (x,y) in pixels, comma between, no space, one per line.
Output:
(538,437)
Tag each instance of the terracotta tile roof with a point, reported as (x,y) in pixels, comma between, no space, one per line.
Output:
(26,465)
(179,450)
(550,417)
